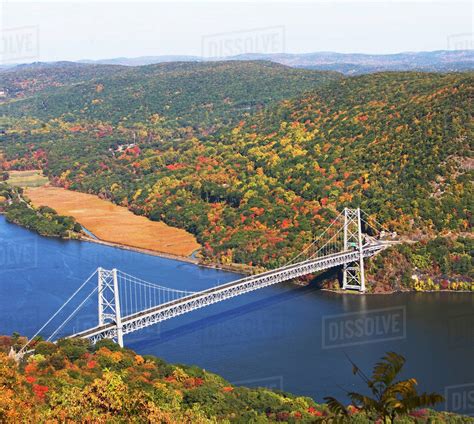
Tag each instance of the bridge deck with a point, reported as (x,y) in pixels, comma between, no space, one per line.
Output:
(224,291)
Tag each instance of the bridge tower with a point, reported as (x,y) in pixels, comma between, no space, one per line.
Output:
(109,300)
(353,276)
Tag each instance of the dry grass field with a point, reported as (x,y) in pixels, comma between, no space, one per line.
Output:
(114,223)
(34,178)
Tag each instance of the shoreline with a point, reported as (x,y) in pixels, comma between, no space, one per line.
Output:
(356,293)
(229,268)
(185,259)
(242,272)
(112,222)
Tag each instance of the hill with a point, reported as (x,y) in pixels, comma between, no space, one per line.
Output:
(346,63)
(72,381)
(22,81)
(399,145)
(181,94)
(358,63)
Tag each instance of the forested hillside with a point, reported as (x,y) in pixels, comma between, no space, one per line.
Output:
(176,94)
(75,382)
(399,145)
(25,80)
(72,381)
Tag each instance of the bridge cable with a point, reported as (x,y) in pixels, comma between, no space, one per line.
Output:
(383,227)
(58,311)
(328,242)
(315,240)
(72,314)
(137,280)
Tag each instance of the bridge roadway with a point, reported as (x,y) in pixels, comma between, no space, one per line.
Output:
(207,297)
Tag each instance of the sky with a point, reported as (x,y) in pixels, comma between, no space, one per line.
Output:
(49,31)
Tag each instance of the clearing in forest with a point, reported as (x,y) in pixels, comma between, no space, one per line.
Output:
(33,178)
(114,224)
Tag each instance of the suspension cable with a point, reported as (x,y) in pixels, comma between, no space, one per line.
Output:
(72,314)
(328,242)
(315,240)
(137,280)
(377,222)
(58,311)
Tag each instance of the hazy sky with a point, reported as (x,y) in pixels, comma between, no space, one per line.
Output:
(93,30)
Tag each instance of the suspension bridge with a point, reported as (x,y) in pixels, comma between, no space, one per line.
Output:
(126,303)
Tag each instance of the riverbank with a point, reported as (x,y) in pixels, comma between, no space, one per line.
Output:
(388,293)
(80,232)
(276,331)
(237,268)
(115,224)
(43,220)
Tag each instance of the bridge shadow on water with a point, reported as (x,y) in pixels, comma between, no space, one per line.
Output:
(292,293)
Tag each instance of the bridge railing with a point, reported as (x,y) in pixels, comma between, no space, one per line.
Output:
(225,291)
(126,303)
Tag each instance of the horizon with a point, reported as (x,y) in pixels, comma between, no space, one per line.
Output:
(213,212)
(110,30)
(225,58)
(205,58)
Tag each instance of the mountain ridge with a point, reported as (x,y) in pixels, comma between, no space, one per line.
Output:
(255,189)
(193,91)
(347,63)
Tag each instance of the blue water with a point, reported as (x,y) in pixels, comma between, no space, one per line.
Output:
(272,337)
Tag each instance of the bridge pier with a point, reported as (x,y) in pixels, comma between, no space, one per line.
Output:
(119,311)
(118,316)
(109,301)
(353,274)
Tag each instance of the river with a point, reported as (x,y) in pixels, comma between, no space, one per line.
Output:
(285,336)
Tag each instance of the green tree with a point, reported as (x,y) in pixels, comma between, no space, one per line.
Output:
(390,398)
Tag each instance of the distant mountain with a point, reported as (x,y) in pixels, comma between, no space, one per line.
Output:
(5,67)
(353,64)
(346,63)
(349,64)
(143,60)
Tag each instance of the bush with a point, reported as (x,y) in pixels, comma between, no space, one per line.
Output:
(45,348)
(74,348)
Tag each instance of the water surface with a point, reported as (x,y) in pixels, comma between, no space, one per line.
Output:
(272,337)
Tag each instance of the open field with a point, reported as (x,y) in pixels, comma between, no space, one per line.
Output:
(34,178)
(114,223)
